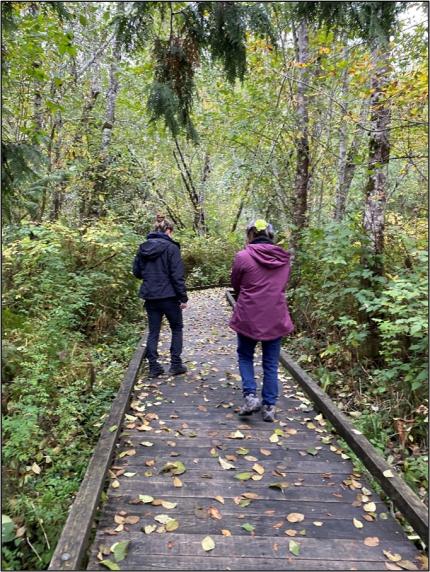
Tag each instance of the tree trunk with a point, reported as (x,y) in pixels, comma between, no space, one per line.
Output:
(302,141)
(97,199)
(347,164)
(379,155)
(201,222)
(375,191)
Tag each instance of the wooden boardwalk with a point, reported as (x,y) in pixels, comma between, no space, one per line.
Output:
(296,506)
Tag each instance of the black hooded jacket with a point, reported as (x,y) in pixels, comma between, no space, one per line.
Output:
(158,262)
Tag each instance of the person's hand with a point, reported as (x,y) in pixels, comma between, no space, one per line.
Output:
(183,305)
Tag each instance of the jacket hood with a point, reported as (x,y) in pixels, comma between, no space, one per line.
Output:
(155,245)
(268,255)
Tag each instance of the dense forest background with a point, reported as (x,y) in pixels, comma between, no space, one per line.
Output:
(311,115)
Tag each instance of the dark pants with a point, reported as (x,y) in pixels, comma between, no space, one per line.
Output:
(156,309)
(271,351)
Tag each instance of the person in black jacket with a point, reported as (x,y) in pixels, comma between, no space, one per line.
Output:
(158,262)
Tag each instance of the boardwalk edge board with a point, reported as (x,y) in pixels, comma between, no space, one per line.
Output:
(407,502)
(70,550)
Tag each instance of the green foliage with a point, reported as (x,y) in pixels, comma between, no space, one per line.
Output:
(69,330)
(208,260)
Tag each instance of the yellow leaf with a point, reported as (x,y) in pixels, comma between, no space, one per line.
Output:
(370,507)
(388,474)
(219,499)
(177,482)
(274,438)
(357,523)
(36,469)
(208,543)
(115,484)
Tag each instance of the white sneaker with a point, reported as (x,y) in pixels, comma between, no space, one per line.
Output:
(251,403)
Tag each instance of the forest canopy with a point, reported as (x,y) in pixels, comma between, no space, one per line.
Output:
(311,115)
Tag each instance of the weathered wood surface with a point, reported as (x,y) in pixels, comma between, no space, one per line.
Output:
(70,550)
(192,419)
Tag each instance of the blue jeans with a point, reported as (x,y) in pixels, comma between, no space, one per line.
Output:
(271,350)
(156,309)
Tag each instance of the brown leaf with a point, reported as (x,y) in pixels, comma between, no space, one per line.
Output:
(371,541)
(177,482)
(291,532)
(131,519)
(214,513)
(225,532)
(265,452)
(295,517)
(219,499)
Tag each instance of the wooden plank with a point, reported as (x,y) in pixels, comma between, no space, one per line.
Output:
(70,549)
(317,510)
(204,487)
(407,502)
(265,525)
(313,549)
(168,562)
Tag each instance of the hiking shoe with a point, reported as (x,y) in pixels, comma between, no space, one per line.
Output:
(177,369)
(268,413)
(251,403)
(156,370)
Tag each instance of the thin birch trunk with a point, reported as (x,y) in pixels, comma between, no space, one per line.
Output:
(302,142)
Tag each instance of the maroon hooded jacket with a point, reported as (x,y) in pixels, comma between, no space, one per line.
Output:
(260,274)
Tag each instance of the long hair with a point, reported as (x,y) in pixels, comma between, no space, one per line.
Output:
(162,224)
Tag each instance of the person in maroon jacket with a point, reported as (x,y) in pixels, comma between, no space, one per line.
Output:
(259,275)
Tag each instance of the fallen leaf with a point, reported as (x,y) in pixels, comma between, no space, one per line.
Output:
(147,443)
(236,435)
(214,513)
(252,496)
(119,550)
(225,465)
(258,469)
(294,547)
(265,452)
(291,532)
(208,544)
(149,528)
(251,458)
(174,468)
(129,475)
(109,564)
(162,518)
(407,565)
(295,517)
(357,523)
(274,438)
(370,507)
(248,527)
(115,484)
(36,469)
(219,499)
(145,499)
(388,473)
(371,541)
(312,451)
(242,451)
(243,476)
(131,519)
(171,525)
(317,523)
(393,557)
(168,504)
(177,482)
(225,532)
